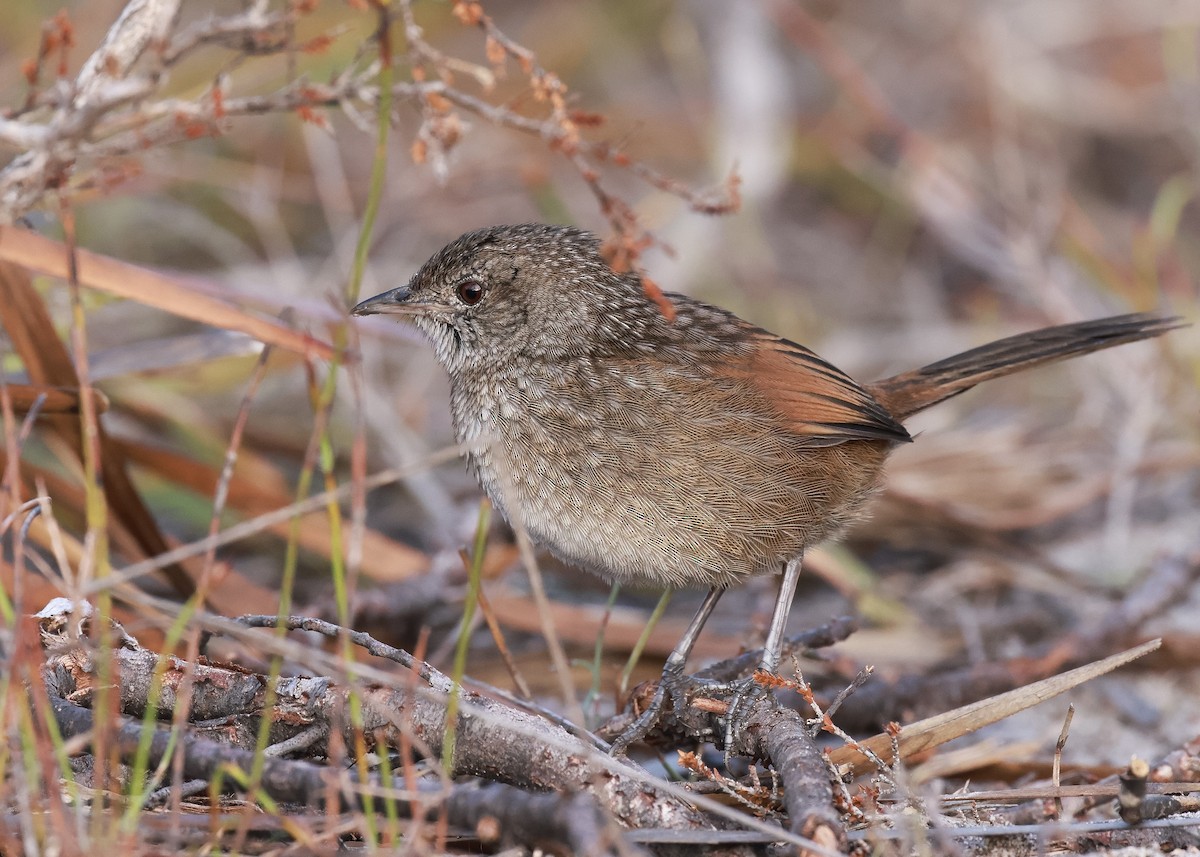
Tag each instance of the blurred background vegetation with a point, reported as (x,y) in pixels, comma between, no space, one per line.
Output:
(916,177)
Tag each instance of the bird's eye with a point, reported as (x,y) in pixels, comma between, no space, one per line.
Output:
(470,292)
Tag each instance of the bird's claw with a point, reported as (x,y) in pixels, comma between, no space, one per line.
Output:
(671,683)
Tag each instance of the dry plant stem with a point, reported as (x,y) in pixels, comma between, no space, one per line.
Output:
(24,666)
(400,606)
(99,88)
(358,478)
(34,252)
(572,821)
(904,742)
(823,721)
(221,494)
(270,519)
(1182,765)
(181,714)
(140,24)
(176,793)
(559,657)
(1154,837)
(1058,749)
(1133,790)
(614,783)
(859,680)
(296,782)
(10,487)
(79,128)
(510,663)
(750,795)
(35,399)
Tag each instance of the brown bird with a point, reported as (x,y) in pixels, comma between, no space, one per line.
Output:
(696,450)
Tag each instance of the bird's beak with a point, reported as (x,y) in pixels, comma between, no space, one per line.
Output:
(395,302)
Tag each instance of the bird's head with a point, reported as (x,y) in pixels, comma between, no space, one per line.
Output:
(538,290)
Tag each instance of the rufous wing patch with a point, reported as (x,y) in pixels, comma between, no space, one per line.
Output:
(817,399)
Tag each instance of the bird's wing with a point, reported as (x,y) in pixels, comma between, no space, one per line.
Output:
(817,400)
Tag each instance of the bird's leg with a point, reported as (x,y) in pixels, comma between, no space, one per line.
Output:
(671,675)
(773,647)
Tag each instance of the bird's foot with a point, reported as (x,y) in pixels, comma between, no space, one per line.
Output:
(671,683)
(743,693)
(690,697)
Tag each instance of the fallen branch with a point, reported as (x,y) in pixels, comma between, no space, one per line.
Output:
(493,741)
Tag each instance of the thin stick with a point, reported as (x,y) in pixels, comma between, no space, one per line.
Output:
(489,616)
(1058,748)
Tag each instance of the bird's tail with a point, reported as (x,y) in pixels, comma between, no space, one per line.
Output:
(906,394)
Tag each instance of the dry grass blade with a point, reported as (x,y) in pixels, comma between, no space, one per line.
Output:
(383,558)
(934,731)
(1092,790)
(578,625)
(47,361)
(51,400)
(37,253)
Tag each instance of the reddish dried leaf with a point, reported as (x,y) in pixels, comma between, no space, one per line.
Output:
(437,103)
(469,13)
(313,117)
(495,51)
(655,294)
(586,118)
(317,45)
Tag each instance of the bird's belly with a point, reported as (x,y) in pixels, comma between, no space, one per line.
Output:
(670,511)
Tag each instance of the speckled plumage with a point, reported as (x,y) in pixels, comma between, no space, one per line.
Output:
(695,450)
(628,485)
(619,439)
